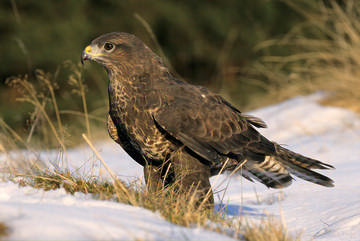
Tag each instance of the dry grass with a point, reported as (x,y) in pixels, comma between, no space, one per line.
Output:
(47,128)
(268,230)
(325,55)
(178,209)
(182,209)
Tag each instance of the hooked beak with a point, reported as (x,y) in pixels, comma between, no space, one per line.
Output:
(93,52)
(86,54)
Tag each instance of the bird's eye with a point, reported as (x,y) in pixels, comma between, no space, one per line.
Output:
(108,46)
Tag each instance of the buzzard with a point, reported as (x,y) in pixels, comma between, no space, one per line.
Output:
(182,133)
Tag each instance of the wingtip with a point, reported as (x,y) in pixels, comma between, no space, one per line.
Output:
(329,184)
(255,121)
(329,166)
(326,166)
(326,182)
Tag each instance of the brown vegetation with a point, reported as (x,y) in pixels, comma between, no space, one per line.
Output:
(324,56)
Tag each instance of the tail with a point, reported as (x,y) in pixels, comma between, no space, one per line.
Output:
(301,166)
(274,171)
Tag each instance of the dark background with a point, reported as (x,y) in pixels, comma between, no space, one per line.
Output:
(211,43)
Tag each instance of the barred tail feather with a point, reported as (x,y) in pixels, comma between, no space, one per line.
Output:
(300,160)
(270,179)
(269,172)
(300,166)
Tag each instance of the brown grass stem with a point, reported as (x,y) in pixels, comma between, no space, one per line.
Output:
(112,174)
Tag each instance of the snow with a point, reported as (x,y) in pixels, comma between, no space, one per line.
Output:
(54,215)
(329,134)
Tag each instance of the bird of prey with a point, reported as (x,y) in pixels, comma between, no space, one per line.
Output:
(182,133)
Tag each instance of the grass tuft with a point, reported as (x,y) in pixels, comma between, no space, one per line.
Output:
(268,230)
(178,209)
(55,180)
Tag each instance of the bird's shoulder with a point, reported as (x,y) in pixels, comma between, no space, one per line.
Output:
(182,100)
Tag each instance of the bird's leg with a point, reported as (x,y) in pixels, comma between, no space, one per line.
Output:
(152,176)
(192,177)
(157,177)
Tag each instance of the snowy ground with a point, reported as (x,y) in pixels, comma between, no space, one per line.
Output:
(329,134)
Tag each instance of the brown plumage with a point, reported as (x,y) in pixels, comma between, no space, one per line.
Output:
(185,133)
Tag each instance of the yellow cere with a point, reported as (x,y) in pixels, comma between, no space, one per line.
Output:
(88,49)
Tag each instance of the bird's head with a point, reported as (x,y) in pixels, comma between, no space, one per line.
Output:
(117,50)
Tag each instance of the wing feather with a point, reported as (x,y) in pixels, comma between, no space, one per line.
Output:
(209,125)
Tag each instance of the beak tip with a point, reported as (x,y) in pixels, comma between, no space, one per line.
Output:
(83,58)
